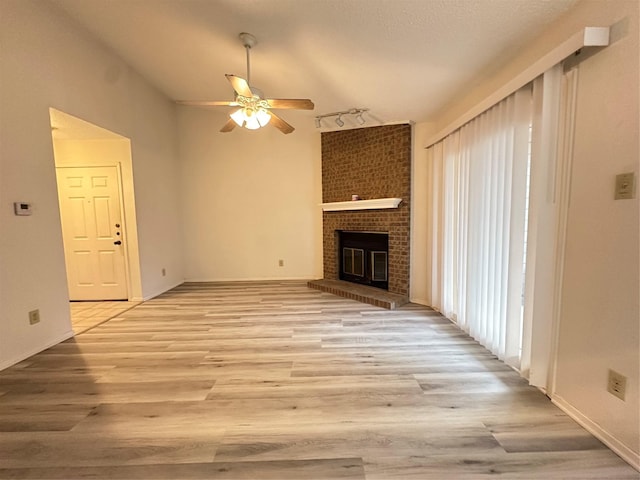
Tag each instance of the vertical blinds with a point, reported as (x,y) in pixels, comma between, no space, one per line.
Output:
(478,179)
(498,197)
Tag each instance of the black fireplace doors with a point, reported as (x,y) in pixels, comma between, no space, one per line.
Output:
(363,258)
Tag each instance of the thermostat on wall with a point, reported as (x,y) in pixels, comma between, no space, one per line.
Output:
(22,208)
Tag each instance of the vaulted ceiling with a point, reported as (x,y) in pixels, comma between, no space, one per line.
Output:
(402,59)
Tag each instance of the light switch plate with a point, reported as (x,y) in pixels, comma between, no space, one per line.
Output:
(625,186)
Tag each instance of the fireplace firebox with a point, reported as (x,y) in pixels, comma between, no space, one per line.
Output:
(363,258)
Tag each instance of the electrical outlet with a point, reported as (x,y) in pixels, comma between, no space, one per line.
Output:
(617,384)
(281,263)
(164,272)
(34,317)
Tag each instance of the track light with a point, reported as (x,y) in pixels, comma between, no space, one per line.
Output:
(357,112)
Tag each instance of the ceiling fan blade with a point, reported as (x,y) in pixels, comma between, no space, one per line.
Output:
(240,85)
(227,127)
(295,103)
(280,124)
(207,103)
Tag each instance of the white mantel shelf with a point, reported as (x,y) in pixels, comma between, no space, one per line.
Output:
(374,204)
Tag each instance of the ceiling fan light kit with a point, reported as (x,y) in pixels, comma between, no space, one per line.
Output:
(253,110)
(250,119)
(355,112)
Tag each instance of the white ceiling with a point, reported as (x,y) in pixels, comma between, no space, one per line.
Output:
(402,59)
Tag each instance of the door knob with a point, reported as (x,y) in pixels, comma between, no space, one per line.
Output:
(117,242)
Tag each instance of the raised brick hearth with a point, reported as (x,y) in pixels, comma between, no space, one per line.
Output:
(372,162)
(361,293)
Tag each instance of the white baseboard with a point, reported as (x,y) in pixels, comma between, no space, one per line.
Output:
(24,355)
(260,279)
(419,301)
(628,455)
(159,292)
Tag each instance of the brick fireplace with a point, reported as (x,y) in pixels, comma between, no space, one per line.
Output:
(372,163)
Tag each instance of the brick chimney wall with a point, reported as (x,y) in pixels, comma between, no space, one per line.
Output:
(373,162)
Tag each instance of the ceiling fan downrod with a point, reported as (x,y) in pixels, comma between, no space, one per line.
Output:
(248,41)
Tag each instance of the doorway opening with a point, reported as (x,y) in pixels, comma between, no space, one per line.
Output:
(97,211)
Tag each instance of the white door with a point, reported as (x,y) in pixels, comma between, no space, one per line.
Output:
(92,231)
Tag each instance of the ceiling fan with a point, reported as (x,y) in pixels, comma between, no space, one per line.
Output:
(253,109)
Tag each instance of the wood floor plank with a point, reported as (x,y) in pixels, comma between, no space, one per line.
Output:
(466,383)
(328,440)
(43,376)
(151,419)
(548,435)
(314,386)
(320,469)
(42,418)
(598,465)
(70,393)
(273,380)
(176,374)
(56,449)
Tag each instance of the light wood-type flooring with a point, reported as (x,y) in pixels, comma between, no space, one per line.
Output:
(277,381)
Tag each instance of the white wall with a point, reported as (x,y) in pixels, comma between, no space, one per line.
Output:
(250,198)
(599,324)
(46,61)
(420,273)
(600,315)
